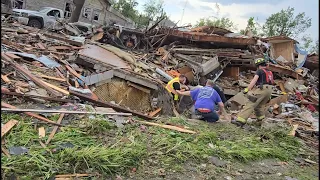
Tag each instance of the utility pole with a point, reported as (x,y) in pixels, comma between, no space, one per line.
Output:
(183,11)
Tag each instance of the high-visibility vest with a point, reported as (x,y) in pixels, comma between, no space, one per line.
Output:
(169,86)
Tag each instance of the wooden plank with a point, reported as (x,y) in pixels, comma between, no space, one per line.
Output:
(72,175)
(29,75)
(53,78)
(293,131)
(7,92)
(5,151)
(167,127)
(13,56)
(282,87)
(53,132)
(73,72)
(63,111)
(41,46)
(8,126)
(42,132)
(153,113)
(5,78)
(3,104)
(56,88)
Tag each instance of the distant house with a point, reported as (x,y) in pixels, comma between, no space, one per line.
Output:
(97,12)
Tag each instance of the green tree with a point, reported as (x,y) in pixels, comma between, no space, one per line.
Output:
(285,23)
(252,26)
(152,11)
(127,8)
(306,42)
(224,22)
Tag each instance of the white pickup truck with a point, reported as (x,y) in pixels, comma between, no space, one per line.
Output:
(45,17)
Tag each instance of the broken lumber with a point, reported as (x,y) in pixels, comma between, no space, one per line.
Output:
(42,132)
(56,88)
(106,104)
(293,131)
(5,151)
(53,132)
(8,126)
(73,72)
(167,127)
(53,78)
(72,175)
(29,75)
(3,91)
(3,104)
(62,111)
(153,113)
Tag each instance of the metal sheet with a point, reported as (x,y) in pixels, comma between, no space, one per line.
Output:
(102,55)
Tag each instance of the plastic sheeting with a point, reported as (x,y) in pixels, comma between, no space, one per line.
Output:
(302,56)
(43,59)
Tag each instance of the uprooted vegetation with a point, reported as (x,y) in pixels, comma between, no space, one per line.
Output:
(98,147)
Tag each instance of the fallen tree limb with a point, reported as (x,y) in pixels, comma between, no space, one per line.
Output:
(167,127)
(3,104)
(62,111)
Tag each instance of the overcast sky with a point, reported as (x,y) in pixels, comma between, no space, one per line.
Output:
(238,10)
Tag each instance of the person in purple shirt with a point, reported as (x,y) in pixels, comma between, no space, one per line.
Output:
(205,100)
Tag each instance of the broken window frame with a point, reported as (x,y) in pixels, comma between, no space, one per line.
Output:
(89,13)
(94,13)
(16,5)
(67,14)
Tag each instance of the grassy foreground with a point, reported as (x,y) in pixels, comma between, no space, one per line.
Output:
(99,147)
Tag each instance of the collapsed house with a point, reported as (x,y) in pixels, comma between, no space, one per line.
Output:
(127,69)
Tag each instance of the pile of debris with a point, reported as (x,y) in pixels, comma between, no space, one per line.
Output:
(123,72)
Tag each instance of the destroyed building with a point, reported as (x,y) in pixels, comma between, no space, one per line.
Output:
(121,72)
(97,12)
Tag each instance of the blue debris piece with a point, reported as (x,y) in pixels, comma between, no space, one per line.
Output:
(43,59)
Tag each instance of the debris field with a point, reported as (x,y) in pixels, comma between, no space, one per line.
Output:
(79,105)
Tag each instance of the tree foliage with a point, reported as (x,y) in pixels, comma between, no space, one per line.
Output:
(127,8)
(153,10)
(252,26)
(285,23)
(224,22)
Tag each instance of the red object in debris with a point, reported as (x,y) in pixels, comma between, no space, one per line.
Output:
(311,108)
(299,95)
(3,89)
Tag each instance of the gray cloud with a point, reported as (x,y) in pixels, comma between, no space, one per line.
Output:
(227,2)
(206,8)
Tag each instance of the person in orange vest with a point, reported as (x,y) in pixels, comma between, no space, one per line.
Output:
(175,84)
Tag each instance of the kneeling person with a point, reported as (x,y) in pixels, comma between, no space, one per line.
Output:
(205,99)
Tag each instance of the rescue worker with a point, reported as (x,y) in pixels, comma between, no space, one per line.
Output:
(175,84)
(258,95)
(205,99)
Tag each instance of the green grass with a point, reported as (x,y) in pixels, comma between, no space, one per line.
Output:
(99,147)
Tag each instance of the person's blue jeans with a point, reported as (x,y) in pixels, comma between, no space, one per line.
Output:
(209,117)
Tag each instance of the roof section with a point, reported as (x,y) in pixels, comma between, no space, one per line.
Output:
(279,39)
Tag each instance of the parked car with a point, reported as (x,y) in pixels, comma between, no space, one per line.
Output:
(43,18)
